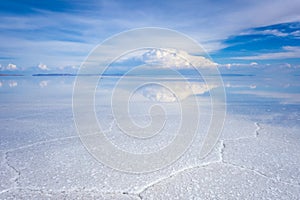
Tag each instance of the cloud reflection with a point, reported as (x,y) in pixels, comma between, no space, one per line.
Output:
(43,84)
(12,84)
(180,91)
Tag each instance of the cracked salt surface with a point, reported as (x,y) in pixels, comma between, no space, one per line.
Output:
(239,167)
(38,194)
(7,174)
(65,164)
(269,153)
(220,181)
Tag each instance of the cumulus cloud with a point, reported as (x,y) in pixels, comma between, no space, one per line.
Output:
(72,67)
(43,67)
(11,67)
(253,63)
(178,59)
(168,58)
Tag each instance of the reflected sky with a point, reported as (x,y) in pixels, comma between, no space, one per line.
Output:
(256,96)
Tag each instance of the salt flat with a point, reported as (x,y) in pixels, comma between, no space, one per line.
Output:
(253,161)
(42,157)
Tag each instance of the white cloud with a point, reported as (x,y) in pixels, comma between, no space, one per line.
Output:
(253,63)
(229,65)
(171,58)
(288,52)
(43,67)
(229,85)
(1,84)
(73,67)
(274,32)
(11,67)
(296,33)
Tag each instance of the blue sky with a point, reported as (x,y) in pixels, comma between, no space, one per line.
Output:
(60,33)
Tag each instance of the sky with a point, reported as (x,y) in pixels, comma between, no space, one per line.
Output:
(59,34)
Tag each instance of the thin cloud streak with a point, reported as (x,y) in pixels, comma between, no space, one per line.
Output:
(289,52)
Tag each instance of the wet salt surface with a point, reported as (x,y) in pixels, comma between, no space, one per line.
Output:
(42,157)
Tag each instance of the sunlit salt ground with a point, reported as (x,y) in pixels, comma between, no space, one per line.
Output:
(256,157)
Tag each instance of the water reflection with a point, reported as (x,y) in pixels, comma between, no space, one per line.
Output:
(43,84)
(12,84)
(240,90)
(180,91)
